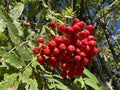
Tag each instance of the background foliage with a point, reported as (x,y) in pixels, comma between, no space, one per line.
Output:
(22,21)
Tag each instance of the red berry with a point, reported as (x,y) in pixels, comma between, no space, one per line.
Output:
(52,44)
(87,49)
(53,59)
(40,39)
(82,54)
(94,51)
(87,61)
(62,47)
(78,43)
(70,49)
(53,24)
(81,24)
(77,58)
(92,43)
(75,20)
(87,33)
(63,74)
(71,74)
(62,28)
(69,30)
(77,51)
(91,37)
(58,39)
(90,28)
(64,67)
(76,28)
(66,41)
(36,50)
(44,46)
(56,51)
(40,59)
(47,51)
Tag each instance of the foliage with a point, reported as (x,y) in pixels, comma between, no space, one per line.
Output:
(22,21)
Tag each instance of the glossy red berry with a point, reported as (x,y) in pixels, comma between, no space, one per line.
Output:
(40,39)
(53,24)
(47,51)
(69,30)
(52,44)
(76,28)
(62,28)
(56,51)
(62,47)
(36,50)
(40,59)
(90,28)
(75,20)
(70,49)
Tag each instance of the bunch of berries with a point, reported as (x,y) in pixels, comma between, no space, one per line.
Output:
(70,51)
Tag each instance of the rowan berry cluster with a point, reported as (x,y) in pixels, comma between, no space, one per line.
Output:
(70,51)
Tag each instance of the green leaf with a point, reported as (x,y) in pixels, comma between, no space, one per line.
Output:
(2,25)
(12,29)
(102,88)
(78,84)
(90,75)
(10,82)
(17,11)
(13,60)
(91,83)
(31,83)
(3,39)
(24,53)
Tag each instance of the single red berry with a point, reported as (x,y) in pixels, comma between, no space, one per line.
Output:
(71,74)
(56,51)
(76,28)
(36,50)
(77,51)
(40,39)
(53,24)
(87,33)
(78,43)
(94,51)
(53,59)
(75,20)
(90,28)
(87,61)
(47,51)
(82,54)
(62,47)
(81,24)
(43,46)
(58,39)
(52,44)
(69,30)
(62,28)
(77,58)
(40,59)
(63,74)
(70,49)
(66,41)
(91,37)
(64,67)
(92,43)
(82,34)
(84,42)
(87,49)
